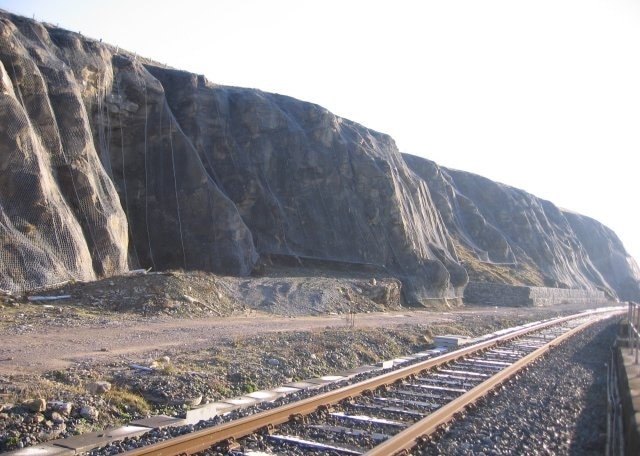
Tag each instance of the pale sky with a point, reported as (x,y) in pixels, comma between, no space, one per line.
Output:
(543,95)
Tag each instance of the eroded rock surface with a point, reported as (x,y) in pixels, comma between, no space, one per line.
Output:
(111,161)
(534,240)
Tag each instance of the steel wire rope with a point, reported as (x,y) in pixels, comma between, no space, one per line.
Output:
(211,169)
(426,215)
(328,217)
(230,149)
(108,195)
(104,128)
(299,213)
(124,178)
(461,221)
(211,173)
(67,164)
(141,78)
(361,231)
(88,212)
(84,209)
(21,239)
(265,183)
(104,136)
(401,264)
(175,187)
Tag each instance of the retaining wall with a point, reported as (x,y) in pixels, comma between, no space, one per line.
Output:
(493,294)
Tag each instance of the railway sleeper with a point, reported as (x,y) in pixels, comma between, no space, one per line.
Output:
(452,383)
(458,374)
(382,413)
(301,442)
(502,355)
(422,407)
(499,364)
(462,379)
(484,368)
(466,373)
(370,420)
(530,348)
(505,350)
(444,389)
(354,441)
(411,413)
(376,436)
(422,394)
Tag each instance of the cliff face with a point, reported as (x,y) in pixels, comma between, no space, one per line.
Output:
(504,230)
(608,255)
(110,161)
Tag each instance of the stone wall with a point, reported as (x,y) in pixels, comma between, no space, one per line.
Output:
(492,294)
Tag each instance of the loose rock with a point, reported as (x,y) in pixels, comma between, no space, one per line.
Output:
(100,387)
(89,412)
(37,405)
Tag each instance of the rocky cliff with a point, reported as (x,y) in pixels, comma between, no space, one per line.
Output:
(506,235)
(110,162)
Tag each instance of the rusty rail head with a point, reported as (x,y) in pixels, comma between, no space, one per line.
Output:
(201,440)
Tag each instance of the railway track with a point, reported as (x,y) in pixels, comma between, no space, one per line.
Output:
(385,415)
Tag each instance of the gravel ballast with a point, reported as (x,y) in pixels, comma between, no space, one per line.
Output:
(556,407)
(228,365)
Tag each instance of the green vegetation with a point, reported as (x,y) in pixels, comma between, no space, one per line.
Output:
(12,441)
(249,387)
(508,274)
(126,402)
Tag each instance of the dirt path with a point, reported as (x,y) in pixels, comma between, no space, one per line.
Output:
(43,349)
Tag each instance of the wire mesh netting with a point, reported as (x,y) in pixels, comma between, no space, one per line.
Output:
(60,216)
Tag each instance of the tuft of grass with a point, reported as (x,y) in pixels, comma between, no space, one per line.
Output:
(168,369)
(249,387)
(84,427)
(126,402)
(12,442)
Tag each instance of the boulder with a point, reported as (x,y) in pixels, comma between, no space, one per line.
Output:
(37,405)
(89,412)
(64,408)
(99,387)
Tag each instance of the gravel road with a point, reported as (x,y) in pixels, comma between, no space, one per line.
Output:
(41,340)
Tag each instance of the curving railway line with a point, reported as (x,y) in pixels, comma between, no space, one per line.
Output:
(384,415)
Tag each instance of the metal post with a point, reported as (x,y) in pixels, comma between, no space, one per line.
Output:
(631,335)
(629,324)
(633,328)
(636,324)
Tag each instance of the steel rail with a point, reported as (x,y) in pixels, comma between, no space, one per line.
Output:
(400,443)
(203,439)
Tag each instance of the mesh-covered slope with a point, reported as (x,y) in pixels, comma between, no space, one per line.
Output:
(110,161)
(60,217)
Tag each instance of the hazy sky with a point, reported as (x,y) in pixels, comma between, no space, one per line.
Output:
(543,95)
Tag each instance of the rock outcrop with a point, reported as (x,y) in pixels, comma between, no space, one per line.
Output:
(503,231)
(111,161)
(608,255)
